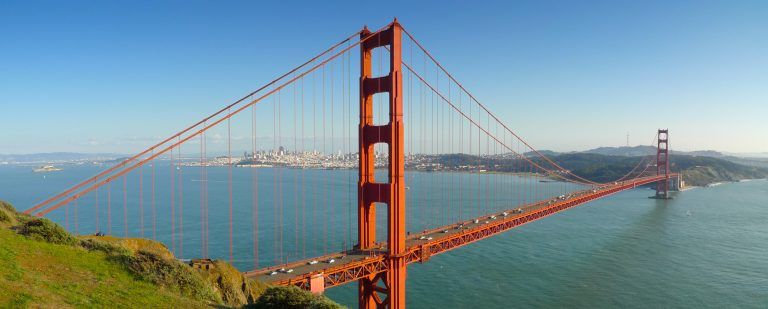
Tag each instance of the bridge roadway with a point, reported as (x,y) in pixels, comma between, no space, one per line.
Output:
(352,265)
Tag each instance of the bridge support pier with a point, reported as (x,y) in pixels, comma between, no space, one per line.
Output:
(391,193)
(317,284)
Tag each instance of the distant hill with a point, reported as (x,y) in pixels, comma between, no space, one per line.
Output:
(755,161)
(756,155)
(623,151)
(701,153)
(548,153)
(633,151)
(749,159)
(697,170)
(56,157)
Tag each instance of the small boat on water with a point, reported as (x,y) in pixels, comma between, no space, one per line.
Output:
(46,168)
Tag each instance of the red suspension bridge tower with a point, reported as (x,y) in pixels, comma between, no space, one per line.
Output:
(662,164)
(371,292)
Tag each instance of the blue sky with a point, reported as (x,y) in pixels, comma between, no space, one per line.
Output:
(108,76)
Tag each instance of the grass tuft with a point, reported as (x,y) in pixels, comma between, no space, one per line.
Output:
(21,300)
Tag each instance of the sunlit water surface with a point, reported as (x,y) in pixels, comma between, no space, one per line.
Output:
(706,248)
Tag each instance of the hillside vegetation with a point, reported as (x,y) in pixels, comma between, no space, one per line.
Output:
(696,170)
(41,265)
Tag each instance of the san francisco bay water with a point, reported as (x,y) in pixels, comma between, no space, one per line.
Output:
(706,248)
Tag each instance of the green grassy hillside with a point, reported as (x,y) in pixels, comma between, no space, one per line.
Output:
(42,274)
(41,265)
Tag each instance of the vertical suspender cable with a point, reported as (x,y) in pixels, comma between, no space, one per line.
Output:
(173,197)
(255,191)
(109,208)
(295,183)
(488,205)
(332,202)
(181,206)
(479,166)
(461,176)
(141,201)
(303,187)
(154,211)
(125,206)
(325,180)
(77,218)
(410,120)
(278,199)
(280,174)
(229,180)
(431,138)
(314,150)
(97,209)
(205,194)
(275,153)
(450,137)
(342,147)
(423,102)
(438,149)
(349,143)
(202,198)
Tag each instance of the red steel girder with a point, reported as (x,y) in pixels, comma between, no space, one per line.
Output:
(377,263)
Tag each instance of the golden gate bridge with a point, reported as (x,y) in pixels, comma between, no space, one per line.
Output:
(326,226)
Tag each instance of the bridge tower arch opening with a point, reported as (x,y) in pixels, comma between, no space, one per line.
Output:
(384,290)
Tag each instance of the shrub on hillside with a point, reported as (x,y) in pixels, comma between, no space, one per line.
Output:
(235,289)
(108,248)
(322,302)
(45,230)
(169,273)
(291,297)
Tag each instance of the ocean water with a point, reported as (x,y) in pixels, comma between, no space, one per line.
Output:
(706,248)
(298,213)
